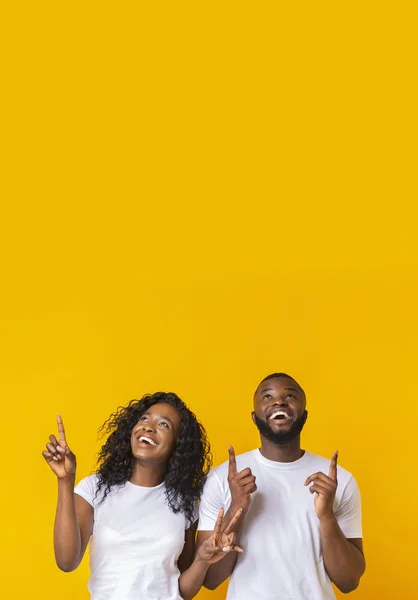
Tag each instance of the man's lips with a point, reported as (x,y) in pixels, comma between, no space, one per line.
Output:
(280,415)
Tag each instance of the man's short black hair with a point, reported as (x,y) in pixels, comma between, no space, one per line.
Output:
(284,376)
(276,375)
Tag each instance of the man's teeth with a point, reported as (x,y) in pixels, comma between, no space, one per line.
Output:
(279,413)
(148,440)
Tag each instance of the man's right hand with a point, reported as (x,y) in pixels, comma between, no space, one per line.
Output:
(241,485)
(58,454)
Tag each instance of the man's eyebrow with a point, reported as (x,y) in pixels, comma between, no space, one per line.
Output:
(293,389)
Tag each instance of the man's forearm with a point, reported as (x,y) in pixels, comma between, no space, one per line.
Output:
(344,562)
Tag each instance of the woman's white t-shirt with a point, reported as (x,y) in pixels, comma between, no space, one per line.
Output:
(136,542)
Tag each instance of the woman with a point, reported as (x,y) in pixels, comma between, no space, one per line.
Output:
(140,506)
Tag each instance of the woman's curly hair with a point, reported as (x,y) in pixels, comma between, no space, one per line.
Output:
(188,466)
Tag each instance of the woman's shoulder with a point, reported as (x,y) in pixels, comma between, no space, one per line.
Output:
(87,487)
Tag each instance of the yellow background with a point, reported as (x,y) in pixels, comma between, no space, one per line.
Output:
(196,195)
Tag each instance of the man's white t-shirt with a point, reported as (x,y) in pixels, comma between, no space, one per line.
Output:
(282,558)
(136,542)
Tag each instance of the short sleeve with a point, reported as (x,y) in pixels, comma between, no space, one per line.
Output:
(86,488)
(195,512)
(348,512)
(211,502)
(194,517)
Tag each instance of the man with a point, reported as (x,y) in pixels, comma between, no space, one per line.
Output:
(300,527)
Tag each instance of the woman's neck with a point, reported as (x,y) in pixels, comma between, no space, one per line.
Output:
(147,475)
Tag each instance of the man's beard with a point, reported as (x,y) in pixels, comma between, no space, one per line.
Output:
(281,437)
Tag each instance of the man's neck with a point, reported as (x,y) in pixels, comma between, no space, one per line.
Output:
(282,453)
